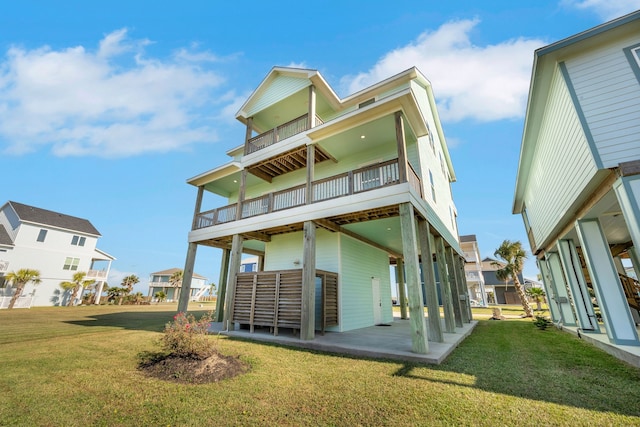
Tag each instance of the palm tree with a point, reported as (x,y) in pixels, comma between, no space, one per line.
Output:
(20,279)
(160,295)
(513,257)
(76,285)
(538,296)
(176,281)
(129,282)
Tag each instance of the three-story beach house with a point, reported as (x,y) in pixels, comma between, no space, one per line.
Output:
(55,244)
(578,182)
(325,191)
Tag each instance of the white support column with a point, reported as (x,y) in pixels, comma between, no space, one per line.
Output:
(402,294)
(453,284)
(419,339)
(308,315)
(445,289)
(234,268)
(430,286)
(615,310)
(547,280)
(578,285)
(560,289)
(187,275)
(222,285)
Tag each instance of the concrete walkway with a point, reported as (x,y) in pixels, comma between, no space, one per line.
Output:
(392,341)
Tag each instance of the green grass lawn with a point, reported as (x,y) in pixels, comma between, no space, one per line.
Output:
(78,366)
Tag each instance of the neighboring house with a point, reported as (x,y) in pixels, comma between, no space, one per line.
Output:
(499,291)
(473,269)
(578,181)
(55,244)
(325,190)
(160,281)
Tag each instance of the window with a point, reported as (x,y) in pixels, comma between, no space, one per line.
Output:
(636,54)
(431,143)
(433,188)
(78,241)
(71,264)
(442,165)
(42,235)
(367,102)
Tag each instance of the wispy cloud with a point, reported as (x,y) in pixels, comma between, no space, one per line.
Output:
(112,101)
(485,83)
(605,9)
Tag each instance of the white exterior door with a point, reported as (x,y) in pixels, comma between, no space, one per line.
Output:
(377,300)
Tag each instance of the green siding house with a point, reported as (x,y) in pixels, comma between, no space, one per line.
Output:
(578,182)
(328,193)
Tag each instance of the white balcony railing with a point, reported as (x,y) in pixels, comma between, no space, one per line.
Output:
(357,181)
(96,274)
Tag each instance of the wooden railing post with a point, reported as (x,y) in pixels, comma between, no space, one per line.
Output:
(311,156)
(402,147)
(312,107)
(241,191)
(198,206)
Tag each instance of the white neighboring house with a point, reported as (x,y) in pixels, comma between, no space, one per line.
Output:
(160,281)
(55,244)
(473,269)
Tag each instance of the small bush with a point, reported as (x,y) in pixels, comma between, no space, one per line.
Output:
(187,337)
(542,322)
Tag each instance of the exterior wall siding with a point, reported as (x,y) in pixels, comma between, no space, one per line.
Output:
(359,263)
(562,166)
(280,88)
(609,96)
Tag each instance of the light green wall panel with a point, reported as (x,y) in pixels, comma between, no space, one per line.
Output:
(562,165)
(360,262)
(276,90)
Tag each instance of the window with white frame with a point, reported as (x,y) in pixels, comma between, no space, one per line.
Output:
(71,263)
(78,240)
(431,142)
(636,54)
(42,235)
(433,187)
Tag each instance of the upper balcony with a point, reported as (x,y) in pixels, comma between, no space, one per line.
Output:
(279,133)
(344,184)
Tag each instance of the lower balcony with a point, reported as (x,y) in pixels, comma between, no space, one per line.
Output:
(345,184)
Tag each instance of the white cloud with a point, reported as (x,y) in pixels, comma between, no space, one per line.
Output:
(110,102)
(485,83)
(605,9)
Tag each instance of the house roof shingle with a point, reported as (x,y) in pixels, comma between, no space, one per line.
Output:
(55,219)
(5,239)
(170,271)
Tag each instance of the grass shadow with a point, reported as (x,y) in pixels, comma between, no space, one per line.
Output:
(153,321)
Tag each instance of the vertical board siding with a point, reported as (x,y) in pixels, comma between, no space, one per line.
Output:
(563,164)
(609,95)
(280,88)
(361,262)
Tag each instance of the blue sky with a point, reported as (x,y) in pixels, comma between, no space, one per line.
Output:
(106,108)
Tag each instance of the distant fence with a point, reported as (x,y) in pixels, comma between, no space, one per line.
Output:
(21,302)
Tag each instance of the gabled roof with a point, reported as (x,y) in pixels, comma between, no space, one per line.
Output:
(170,271)
(40,216)
(544,64)
(5,239)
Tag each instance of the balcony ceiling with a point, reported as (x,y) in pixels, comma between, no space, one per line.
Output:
(286,162)
(376,134)
(288,109)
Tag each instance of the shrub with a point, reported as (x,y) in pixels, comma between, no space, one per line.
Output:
(542,322)
(187,337)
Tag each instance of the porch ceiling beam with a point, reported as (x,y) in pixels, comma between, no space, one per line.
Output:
(370,242)
(328,225)
(256,235)
(260,174)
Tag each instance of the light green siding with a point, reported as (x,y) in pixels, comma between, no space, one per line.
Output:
(359,264)
(561,167)
(609,96)
(284,249)
(280,88)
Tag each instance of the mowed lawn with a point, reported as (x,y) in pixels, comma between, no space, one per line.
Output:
(78,367)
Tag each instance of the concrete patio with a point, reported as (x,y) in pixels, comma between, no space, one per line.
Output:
(390,341)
